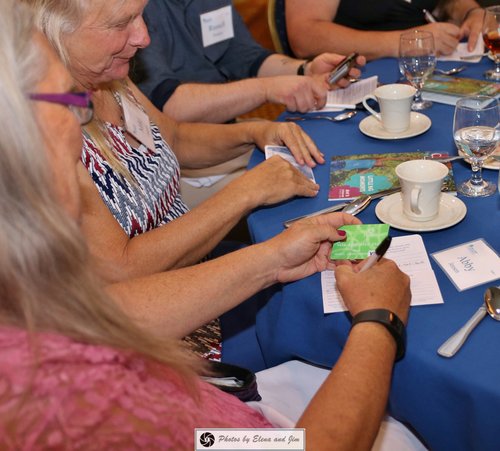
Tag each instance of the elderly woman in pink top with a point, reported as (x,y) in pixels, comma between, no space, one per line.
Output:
(75,372)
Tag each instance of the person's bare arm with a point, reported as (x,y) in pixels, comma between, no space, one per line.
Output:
(467,14)
(217,103)
(456,10)
(199,145)
(174,303)
(346,412)
(311,32)
(276,82)
(190,237)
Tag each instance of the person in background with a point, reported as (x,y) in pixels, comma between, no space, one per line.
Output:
(75,371)
(373,28)
(194,74)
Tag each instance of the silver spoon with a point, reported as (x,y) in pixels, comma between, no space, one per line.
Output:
(491,306)
(353,207)
(457,157)
(338,118)
(455,70)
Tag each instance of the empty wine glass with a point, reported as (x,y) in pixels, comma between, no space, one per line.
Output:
(417,60)
(476,132)
(491,38)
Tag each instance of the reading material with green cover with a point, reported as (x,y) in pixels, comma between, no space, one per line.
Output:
(353,175)
(446,89)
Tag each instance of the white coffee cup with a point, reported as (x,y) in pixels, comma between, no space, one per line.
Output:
(421,183)
(395,106)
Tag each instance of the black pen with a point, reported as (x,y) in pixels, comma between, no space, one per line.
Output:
(378,254)
(428,16)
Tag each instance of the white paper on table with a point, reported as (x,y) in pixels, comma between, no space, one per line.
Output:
(411,257)
(340,99)
(470,264)
(462,51)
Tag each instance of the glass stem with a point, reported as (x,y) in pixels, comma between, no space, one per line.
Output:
(418,95)
(497,66)
(477,176)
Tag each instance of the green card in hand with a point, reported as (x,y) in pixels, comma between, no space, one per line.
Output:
(361,241)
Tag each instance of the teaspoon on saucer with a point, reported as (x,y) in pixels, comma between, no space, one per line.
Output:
(491,306)
(338,118)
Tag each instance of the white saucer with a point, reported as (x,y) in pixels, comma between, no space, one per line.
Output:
(390,211)
(490,163)
(419,123)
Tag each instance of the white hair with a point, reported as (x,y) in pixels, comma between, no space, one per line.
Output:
(46,283)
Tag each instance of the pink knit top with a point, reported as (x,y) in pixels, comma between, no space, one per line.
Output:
(94,397)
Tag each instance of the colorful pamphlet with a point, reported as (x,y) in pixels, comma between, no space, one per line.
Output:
(446,89)
(353,175)
(360,242)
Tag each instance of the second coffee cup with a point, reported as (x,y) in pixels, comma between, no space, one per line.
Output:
(395,102)
(421,182)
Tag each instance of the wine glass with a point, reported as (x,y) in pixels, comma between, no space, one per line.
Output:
(417,60)
(491,38)
(476,131)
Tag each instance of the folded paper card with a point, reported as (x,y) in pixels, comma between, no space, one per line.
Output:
(470,264)
(462,53)
(411,257)
(339,99)
(361,241)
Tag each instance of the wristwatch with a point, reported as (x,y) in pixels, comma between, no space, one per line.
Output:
(301,70)
(392,323)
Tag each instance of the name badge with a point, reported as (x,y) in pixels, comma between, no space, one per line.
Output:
(137,122)
(217,26)
(470,264)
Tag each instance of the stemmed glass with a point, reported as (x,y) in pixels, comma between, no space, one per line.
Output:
(491,38)
(476,131)
(417,60)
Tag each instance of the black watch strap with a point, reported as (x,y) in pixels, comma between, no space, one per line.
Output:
(301,70)
(391,321)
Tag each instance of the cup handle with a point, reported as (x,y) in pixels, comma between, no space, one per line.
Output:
(371,110)
(414,196)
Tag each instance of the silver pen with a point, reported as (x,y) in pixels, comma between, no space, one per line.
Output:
(378,254)
(429,17)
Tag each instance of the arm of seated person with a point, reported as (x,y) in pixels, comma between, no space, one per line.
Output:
(187,239)
(311,32)
(174,303)
(200,145)
(346,412)
(468,14)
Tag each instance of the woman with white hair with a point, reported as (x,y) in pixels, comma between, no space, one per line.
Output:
(132,184)
(75,372)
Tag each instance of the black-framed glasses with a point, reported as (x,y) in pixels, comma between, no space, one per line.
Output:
(78,102)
